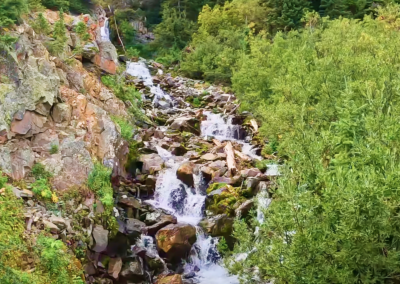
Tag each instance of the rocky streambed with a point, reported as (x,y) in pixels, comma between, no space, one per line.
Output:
(195,174)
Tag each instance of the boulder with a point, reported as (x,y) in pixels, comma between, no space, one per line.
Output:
(174,279)
(16,158)
(107,58)
(244,209)
(187,124)
(49,225)
(162,222)
(134,227)
(100,237)
(128,201)
(251,172)
(61,112)
(114,267)
(185,173)
(218,226)
(132,270)
(176,240)
(151,163)
(209,157)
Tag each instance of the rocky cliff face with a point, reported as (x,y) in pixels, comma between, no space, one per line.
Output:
(49,103)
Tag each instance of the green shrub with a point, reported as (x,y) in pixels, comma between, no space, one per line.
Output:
(126,127)
(41,25)
(54,149)
(99,182)
(41,188)
(329,94)
(39,172)
(82,31)
(51,261)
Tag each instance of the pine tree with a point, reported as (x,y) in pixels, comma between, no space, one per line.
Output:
(285,14)
(41,26)
(59,35)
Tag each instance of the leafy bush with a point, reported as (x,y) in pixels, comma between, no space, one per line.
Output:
(99,182)
(41,187)
(329,95)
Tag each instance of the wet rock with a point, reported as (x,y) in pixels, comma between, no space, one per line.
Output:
(218,226)
(185,173)
(134,227)
(163,221)
(187,124)
(207,173)
(176,240)
(100,236)
(174,279)
(151,163)
(177,149)
(128,201)
(178,197)
(132,270)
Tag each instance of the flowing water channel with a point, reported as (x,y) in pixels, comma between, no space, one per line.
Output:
(187,203)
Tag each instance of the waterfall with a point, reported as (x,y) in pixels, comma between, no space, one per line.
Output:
(140,70)
(105,31)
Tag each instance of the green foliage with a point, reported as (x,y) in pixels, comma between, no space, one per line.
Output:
(56,4)
(51,261)
(56,261)
(41,25)
(221,39)
(54,149)
(82,31)
(39,172)
(126,93)
(41,187)
(132,52)
(126,127)
(99,182)
(284,15)
(175,30)
(35,5)
(329,94)
(127,32)
(57,47)
(222,246)
(11,11)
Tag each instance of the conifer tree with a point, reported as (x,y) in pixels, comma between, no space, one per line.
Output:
(285,14)
(59,35)
(41,25)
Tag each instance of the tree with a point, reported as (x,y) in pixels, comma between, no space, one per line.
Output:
(41,25)
(58,46)
(285,15)
(328,95)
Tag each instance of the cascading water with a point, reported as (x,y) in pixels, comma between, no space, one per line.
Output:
(140,70)
(104,31)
